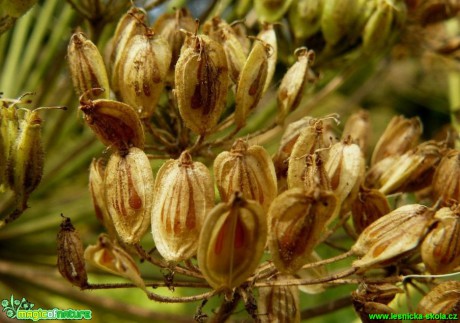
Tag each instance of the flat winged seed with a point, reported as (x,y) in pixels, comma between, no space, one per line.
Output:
(441,247)
(86,66)
(183,195)
(279,303)
(248,170)
(108,256)
(292,85)
(70,260)
(443,299)
(370,205)
(392,236)
(128,192)
(446,185)
(296,220)
(232,242)
(201,80)
(358,128)
(116,124)
(251,82)
(268,35)
(144,66)
(399,136)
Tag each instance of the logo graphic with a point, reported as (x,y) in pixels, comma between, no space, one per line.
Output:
(23,310)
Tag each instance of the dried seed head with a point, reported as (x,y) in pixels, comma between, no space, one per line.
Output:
(279,303)
(183,195)
(169,25)
(271,10)
(70,260)
(128,191)
(251,82)
(315,175)
(132,23)
(292,85)
(441,247)
(369,206)
(108,256)
(223,33)
(232,242)
(413,170)
(248,170)
(310,140)
(143,67)
(201,80)
(305,18)
(87,67)
(400,136)
(443,299)
(116,124)
(392,236)
(268,35)
(446,186)
(358,128)
(97,190)
(296,220)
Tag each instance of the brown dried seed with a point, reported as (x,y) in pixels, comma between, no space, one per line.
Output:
(108,256)
(392,236)
(70,260)
(443,299)
(128,191)
(279,303)
(248,170)
(87,67)
(446,186)
(201,80)
(268,35)
(369,206)
(232,242)
(251,82)
(296,219)
(116,124)
(441,247)
(358,128)
(183,195)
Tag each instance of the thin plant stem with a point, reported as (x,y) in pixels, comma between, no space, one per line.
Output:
(329,260)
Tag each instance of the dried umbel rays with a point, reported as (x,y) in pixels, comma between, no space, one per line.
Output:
(248,170)
(87,67)
(296,220)
(128,193)
(232,242)
(116,124)
(279,303)
(70,260)
(441,301)
(441,247)
(183,195)
(201,80)
(393,236)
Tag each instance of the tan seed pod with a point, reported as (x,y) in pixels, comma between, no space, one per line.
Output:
(310,140)
(183,195)
(70,260)
(446,186)
(232,242)
(392,236)
(130,24)
(358,128)
(268,35)
(240,31)
(108,256)
(315,175)
(296,220)
(248,170)
(441,301)
(143,67)
(279,303)
(128,192)
(201,80)
(369,206)
(399,136)
(251,82)
(87,67)
(271,10)
(222,32)
(292,85)
(116,124)
(441,247)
